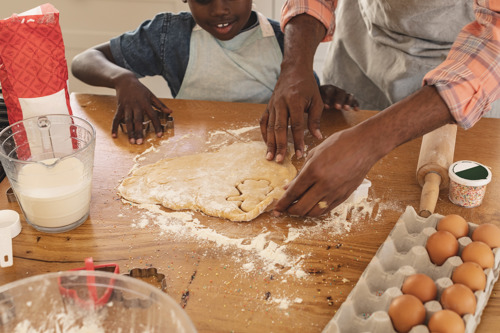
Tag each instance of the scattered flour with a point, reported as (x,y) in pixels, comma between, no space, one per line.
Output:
(271,254)
(339,221)
(236,132)
(62,322)
(284,303)
(184,224)
(248,267)
(261,253)
(242,130)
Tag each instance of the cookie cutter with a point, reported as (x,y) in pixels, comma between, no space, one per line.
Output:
(11,196)
(93,299)
(146,275)
(166,122)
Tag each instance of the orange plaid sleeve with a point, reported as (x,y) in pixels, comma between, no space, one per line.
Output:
(469,79)
(322,10)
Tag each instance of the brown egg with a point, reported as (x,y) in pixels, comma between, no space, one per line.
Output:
(441,245)
(471,275)
(487,233)
(459,298)
(421,286)
(406,311)
(446,321)
(455,224)
(480,253)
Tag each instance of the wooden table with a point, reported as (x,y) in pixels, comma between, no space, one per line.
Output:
(228,287)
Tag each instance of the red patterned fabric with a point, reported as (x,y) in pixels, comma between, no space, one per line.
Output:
(32,60)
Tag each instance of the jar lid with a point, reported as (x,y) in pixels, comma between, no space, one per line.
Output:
(469,173)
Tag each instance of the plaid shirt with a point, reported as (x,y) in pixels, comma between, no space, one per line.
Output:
(468,80)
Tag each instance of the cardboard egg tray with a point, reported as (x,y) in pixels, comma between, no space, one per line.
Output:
(401,255)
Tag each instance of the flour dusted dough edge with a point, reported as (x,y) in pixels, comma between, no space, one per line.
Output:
(205,181)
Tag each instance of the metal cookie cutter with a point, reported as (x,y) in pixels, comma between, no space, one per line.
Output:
(83,290)
(151,276)
(166,122)
(148,275)
(11,197)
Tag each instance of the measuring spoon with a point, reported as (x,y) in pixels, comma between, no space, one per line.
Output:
(10,227)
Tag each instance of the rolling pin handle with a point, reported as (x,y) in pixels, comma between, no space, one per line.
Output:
(430,194)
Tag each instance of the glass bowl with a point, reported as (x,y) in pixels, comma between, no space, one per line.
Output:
(88,301)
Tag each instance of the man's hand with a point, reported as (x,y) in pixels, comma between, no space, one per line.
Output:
(333,170)
(296,91)
(336,167)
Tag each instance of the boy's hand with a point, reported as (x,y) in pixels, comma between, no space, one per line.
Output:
(135,100)
(336,98)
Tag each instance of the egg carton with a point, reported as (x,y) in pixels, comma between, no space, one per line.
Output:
(401,255)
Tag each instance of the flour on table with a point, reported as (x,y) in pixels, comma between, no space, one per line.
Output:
(261,252)
(236,182)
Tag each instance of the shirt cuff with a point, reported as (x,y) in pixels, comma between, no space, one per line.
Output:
(323,11)
(461,91)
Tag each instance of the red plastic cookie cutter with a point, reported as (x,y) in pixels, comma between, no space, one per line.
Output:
(69,287)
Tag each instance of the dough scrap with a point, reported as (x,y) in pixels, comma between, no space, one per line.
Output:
(236,182)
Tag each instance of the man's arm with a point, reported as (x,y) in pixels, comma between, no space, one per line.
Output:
(305,24)
(338,165)
(469,79)
(296,90)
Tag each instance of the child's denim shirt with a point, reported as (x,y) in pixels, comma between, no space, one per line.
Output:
(161,47)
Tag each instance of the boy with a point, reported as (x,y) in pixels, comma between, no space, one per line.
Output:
(221,51)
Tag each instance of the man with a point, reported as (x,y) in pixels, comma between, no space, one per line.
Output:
(460,90)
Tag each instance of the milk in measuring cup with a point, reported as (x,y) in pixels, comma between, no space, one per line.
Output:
(54,195)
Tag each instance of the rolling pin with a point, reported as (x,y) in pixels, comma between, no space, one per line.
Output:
(436,156)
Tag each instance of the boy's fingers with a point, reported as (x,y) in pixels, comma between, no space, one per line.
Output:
(157,103)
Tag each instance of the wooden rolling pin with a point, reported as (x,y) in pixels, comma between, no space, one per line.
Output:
(436,156)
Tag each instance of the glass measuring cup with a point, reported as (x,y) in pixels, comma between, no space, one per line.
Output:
(49,162)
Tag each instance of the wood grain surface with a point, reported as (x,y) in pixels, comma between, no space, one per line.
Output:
(239,288)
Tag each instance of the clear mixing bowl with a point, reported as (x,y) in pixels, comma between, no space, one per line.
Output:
(88,301)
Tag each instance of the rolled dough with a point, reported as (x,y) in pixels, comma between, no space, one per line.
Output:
(236,182)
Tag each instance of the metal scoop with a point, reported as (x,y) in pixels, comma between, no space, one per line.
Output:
(10,227)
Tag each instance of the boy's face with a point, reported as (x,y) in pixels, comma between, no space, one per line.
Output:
(224,19)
